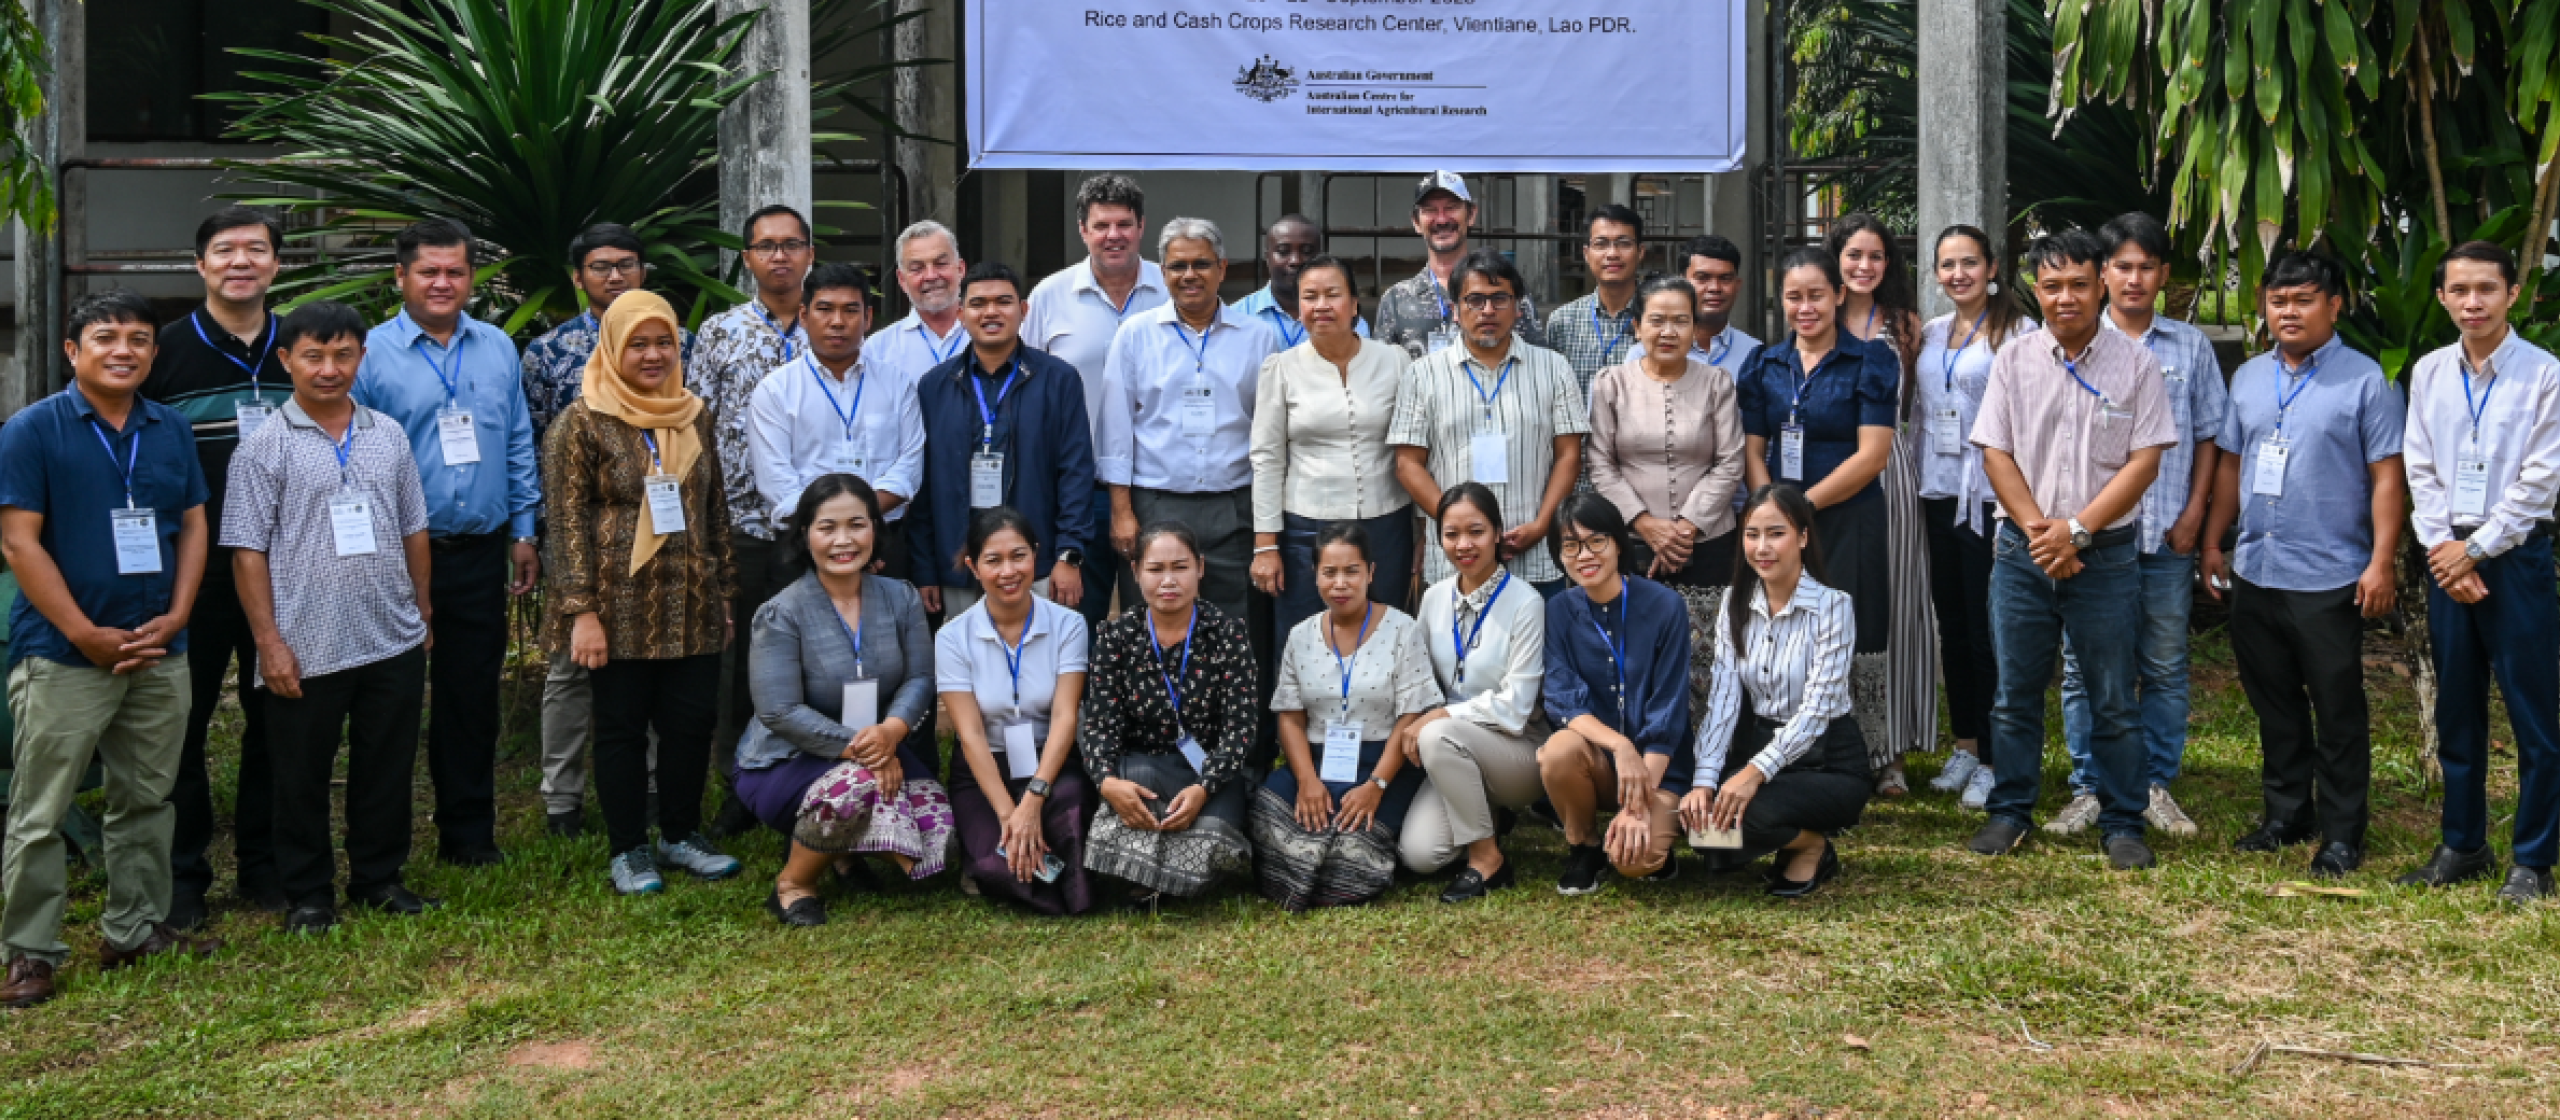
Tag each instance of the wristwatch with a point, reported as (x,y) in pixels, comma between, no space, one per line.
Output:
(2472,549)
(1381,782)
(1039,787)
(1071,557)
(2080,537)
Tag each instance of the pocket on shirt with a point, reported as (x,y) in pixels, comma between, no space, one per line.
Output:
(2111,444)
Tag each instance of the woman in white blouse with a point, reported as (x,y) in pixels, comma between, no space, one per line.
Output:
(1778,757)
(1351,678)
(1487,633)
(1320,454)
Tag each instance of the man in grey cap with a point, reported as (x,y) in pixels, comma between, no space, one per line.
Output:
(1419,314)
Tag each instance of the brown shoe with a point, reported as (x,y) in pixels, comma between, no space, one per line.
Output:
(30,983)
(162,940)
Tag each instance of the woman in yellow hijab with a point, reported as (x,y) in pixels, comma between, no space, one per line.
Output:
(640,581)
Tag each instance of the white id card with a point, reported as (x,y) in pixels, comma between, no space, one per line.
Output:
(2110,417)
(1791,453)
(351,524)
(137,535)
(1712,838)
(252,417)
(1021,757)
(1199,411)
(986,480)
(1341,753)
(1946,431)
(2471,488)
(848,459)
(666,504)
(1442,337)
(453,433)
(1490,458)
(2269,477)
(861,704)
(1191,753)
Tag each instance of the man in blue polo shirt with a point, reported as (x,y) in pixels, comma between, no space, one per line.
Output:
(451,381)
(102,518)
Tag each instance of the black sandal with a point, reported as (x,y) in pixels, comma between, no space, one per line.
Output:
(806,912)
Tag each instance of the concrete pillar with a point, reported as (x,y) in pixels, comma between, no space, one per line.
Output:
(1731,208)
(1964,138)
(764,135)
(1533,210)
(925,101)
(60,134)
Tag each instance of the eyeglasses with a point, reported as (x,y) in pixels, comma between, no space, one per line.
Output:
(1603,244)
(1488,301)
(1185,268)
(615,268)
(778,248)
(1570,547)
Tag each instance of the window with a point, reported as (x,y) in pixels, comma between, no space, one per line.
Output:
(151,62)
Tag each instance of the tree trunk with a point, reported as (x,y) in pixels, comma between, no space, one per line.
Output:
(2416,653)
(2427,130)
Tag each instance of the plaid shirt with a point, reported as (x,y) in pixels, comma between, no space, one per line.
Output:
(1415,307)
(2199,399)
(1591,339)
(555,366)
(738,347)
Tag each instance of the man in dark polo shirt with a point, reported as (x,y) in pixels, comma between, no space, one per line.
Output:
(218,367)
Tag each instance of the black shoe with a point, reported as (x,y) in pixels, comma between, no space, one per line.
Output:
(1669,870)
(395,899)
(264,897)
(2126,852)
(2336,859)
(186,910)
(569,825)
(1472,884)
(315,918)
(2447,867)
(807,912)
(1997,837)
(1504,820)
(1583,865)
(733,820)
(2271,837)
(1823,872)
(2526,885)
(484,855)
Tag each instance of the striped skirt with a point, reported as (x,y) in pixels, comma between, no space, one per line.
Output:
(1910,694)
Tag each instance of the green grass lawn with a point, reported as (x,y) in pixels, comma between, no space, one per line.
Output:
(1924,982)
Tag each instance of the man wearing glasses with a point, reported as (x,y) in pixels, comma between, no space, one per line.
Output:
(738,347)
(1421,313)
(1599,330)
(605,260)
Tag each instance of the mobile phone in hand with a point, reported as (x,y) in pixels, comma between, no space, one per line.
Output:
(1050,866)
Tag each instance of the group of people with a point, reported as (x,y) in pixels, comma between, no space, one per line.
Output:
(1382,588)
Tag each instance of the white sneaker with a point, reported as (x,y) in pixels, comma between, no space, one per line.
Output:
(2165,815)
(695,855)
(1960,768)
(2075,817)
(1977,789)
(635,873)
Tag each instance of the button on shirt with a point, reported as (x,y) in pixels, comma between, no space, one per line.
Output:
(739,346)
(969,656)
(797,427)
(1795,667)
(909,349)
(2345,416)
(203,371)
(2036,411)
(2519,433)
(1505,658)
(335,612)
(1320,440)
(1954,472)
(1390,675)
(1074,319)
(2192,377)
(1650,623)
(1157,362)
(1674,451)
(498,494)
(1439,409)
(1264,308)
(51,463)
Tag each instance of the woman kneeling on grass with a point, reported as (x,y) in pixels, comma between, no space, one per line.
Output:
(821,763)
(1325,823)
(1617,689)
(1011,672)
(1797,767)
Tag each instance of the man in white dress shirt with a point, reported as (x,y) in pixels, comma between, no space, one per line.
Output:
(832,411)
(929,271)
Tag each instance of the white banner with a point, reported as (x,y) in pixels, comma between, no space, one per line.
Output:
(1356,85)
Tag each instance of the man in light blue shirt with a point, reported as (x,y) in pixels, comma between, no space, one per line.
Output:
(451,382)
(2315,481)
(1177,416)
(2173,512)
(1287,247)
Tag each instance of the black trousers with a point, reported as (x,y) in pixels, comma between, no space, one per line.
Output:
(1960,587)
(678,697)
(2301,658)
(469,589)
(1710,562)
(1825,791)
(376,708)
(217,635)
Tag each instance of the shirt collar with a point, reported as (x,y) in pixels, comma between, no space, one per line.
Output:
(969,366)
(406,332)
(916,323)
(1150,275)
(984,629)
(1259,302)
(1226,317)
(86,409)
(1808,591)
(294,415)
(2319,357)
(1482,594)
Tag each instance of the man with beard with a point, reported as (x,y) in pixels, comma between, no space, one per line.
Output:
(1420,314)
(1286,247)
(929,271)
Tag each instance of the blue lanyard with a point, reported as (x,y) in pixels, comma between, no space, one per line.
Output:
(1281,322)
(1723,347)
(778,332)
(259,362)
(453,381)
(986,415)
(1469,366)
(860,383)
(852,634)
(1617,646)
(123,467)
(1173,684)
(2479,407)
(1439,294)
(1948,365)
(1469,641)
(346,478)
(655,461)
(1607,346)
(1796,403)
(2302,381)
(1342,665)
(1013,653)
(2071,366)
(1200,353)
(589,318)
(941,354)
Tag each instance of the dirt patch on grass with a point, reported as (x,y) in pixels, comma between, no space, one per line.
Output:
(572,1055)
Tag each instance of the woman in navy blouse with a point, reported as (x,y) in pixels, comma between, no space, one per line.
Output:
(1617,688)
(1830,432)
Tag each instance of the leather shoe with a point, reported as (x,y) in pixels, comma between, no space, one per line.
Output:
(1997,837)
(2126,852)
(485,855)
(315,918)
(2447,867)
(30,983)
(186,909)
(806,912)
(2526,885)
(1472,884)
(1823,872)
(265,898)
(395,899)
(2336,859)
(162,940)
(2270,837)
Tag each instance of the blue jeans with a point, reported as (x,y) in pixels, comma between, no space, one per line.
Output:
(2511,637)
(2031,613)
(2168,597)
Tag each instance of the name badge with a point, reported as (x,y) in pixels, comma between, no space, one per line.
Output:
(1191,752)
(1199,410)
(251,417)
(137,536)
(1021,757)
(2110,417)
(1442,337)
(1946,431)
(848,459)
(986,480)
(1341,753)
(1791,453)
(666,504)
(1712,838)
(351,524)
(2471,488)
(453,433)
(2269,477)
(1490,457)
(861,704)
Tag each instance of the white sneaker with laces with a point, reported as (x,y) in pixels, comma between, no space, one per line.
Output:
(2165,815)
(2075,817)
(635,873)
(1960,768)
(1977,789)
(695,855)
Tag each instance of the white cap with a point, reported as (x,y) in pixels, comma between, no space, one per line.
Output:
(1442,181)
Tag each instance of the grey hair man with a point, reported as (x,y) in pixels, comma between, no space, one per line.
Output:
(929,271)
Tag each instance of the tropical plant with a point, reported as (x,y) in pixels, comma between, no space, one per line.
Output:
(26,183)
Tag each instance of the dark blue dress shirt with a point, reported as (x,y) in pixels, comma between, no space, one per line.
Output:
(1047,446)
(1651,623)
(52,463)
(1856,385)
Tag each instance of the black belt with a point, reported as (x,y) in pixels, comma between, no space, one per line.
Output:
(2541,530)
(458,541)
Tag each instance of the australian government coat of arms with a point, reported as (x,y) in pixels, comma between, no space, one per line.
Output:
(1266,80)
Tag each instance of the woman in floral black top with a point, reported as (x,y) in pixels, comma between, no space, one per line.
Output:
(1166,728)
